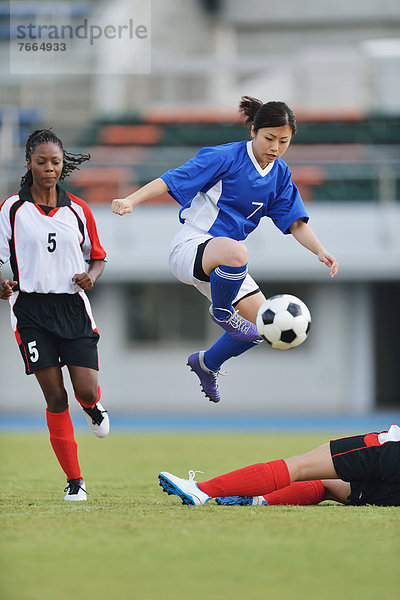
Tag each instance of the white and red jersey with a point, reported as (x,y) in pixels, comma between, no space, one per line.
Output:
(47,246)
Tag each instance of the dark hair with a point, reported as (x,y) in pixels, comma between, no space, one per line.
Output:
(271,114)
(44,136)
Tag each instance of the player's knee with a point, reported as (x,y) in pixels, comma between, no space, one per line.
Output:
(296,467)
(57,402)
(87,396)
(238,255)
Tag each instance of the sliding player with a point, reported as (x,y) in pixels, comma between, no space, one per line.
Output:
(357,470)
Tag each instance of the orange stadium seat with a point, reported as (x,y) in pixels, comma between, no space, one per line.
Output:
(131,134)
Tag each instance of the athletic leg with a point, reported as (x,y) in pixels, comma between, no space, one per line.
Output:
(225,262)
(241,334)
(317,464)
(85,384)
(87,391)
(307,493)
(227,347)
(59,421)
(248,306)
(223,251)
(298,493)
(263,478)
(208,364)
(337,490)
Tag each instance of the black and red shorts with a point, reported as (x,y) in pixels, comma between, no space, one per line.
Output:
(372,468)
(55,330)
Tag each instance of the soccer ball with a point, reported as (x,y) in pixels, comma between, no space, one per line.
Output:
(283,321)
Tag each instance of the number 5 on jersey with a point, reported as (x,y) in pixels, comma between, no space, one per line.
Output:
(51,242)
(33,351)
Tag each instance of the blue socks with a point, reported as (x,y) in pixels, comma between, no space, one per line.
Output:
(224,348)
(225,282)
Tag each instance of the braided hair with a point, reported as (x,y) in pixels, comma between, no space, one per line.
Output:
(71,161)
(271,114)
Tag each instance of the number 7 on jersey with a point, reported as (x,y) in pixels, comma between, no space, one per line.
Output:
(259,205)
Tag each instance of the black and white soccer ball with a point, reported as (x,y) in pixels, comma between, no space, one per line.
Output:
(283,321)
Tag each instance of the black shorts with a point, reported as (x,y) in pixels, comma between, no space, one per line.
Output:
(55,330)
(373,469)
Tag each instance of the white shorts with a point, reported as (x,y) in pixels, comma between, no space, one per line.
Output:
(182,256)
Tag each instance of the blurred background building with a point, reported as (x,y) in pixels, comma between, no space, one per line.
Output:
(338,66)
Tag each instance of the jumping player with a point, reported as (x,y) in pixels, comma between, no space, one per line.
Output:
(224,191)
(357,470)
(48,234)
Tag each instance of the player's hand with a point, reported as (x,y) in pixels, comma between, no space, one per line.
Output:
(6,288)
(83,280)
(120,206)
(330,261)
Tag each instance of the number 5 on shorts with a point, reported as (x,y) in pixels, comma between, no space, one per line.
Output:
(33,351)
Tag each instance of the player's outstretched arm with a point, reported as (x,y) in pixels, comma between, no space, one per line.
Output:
(121,206)
(307,238)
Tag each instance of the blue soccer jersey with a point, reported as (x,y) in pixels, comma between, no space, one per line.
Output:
(224,191)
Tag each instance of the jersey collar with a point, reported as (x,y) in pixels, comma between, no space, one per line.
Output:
(253,159)
(62,200)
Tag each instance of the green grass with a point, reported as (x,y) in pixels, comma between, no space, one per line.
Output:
(129,540)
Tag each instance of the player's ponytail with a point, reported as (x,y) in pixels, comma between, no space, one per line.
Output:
(248,108)
(271,114)
(44,136)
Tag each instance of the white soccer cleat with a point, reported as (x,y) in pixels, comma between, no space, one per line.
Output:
(186,489)
(75,490)
(98,420)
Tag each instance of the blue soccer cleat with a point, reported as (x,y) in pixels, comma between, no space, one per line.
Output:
(236,325)
(241,500)
(208,378)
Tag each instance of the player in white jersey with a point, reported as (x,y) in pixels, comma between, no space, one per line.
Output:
(49,235)
(224,191)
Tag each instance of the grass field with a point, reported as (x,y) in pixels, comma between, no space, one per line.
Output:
(129,540)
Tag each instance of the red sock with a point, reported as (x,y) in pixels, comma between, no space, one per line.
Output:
(94,403)
(63,442)
(254,480)
(300,493)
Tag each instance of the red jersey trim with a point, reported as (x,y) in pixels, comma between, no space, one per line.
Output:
(1,203)
(372,439)
(98,252)
(348,451)
(49,214)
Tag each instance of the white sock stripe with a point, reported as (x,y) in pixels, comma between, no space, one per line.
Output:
(232,276)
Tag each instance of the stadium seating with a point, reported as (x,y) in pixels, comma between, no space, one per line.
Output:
(333,156)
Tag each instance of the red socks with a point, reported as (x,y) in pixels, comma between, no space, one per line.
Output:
(300,493)
(255,480)
(270,480)
(63,442)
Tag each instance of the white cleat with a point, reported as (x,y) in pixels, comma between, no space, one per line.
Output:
(98,420)
(186,489)
(75,490)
